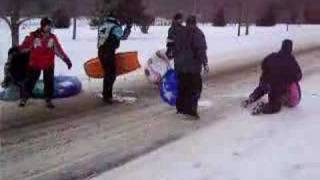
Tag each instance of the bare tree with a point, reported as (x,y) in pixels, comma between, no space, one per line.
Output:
(16,12)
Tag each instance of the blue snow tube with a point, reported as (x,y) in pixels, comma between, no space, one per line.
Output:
(67,86)
(11,93)
(64,86)
(169,88)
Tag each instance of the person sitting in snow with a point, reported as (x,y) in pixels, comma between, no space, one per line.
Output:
(109,36)
(280,80)
(190,57)
(43,45)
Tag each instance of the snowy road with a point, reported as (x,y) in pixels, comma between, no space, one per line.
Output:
(62,144)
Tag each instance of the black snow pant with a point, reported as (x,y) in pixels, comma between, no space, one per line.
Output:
(275,97)
(108,62)
(31,80)
(189,92)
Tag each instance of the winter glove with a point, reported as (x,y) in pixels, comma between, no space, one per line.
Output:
(68,62)
(206,69)
(169,54)
(258,109)
(247,102)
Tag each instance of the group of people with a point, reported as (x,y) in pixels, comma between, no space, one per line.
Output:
(37,52)
(186,44)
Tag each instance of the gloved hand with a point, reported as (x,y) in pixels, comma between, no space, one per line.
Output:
(68,62)
(169,54)
(258,109)
(206,69)
(247,102)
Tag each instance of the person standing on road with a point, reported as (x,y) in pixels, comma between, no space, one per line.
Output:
(109,36)
(43,45)
(190,58)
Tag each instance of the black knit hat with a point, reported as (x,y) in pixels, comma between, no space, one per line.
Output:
(45,22)
(178,16)
(192,20)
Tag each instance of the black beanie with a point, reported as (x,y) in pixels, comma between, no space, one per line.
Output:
(178,16)
(45,21)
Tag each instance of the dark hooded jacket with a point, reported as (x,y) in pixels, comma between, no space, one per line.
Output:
(281,69)
(190,52)
(16,67)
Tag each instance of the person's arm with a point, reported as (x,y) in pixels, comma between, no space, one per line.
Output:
(60,52)
(170,43)
(27,44)
(115,36)
(297,71)
(200,46)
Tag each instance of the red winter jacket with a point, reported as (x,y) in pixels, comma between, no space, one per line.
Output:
(42,49)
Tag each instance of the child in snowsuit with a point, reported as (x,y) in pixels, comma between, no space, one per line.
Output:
(280,80)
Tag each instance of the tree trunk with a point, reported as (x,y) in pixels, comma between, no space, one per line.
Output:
(239,23)
(15,34)
(239,28)
(247,25)
(246,9)
(74,36)
(240,18)
(14,27)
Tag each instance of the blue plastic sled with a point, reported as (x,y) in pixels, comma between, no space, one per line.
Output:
(169,88)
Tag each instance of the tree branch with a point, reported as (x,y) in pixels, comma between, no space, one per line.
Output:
(24,20)
(6,19)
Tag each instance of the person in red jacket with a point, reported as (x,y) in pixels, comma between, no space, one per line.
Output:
(43,46)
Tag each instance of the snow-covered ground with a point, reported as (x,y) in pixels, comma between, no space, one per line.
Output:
(284,146)
(225,48)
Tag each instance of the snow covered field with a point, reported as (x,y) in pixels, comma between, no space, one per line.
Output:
(225,48)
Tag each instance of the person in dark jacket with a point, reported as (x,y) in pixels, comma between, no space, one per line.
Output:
(172,32)
(109,36)
(43,46)
(15,68)
(190,58)
(279,71)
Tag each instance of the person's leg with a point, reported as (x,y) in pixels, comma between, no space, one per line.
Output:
(181,92)
(293,95)
(28,85)
(48,78)
(273,106)
(188,93)
(109,66)
(196,93)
